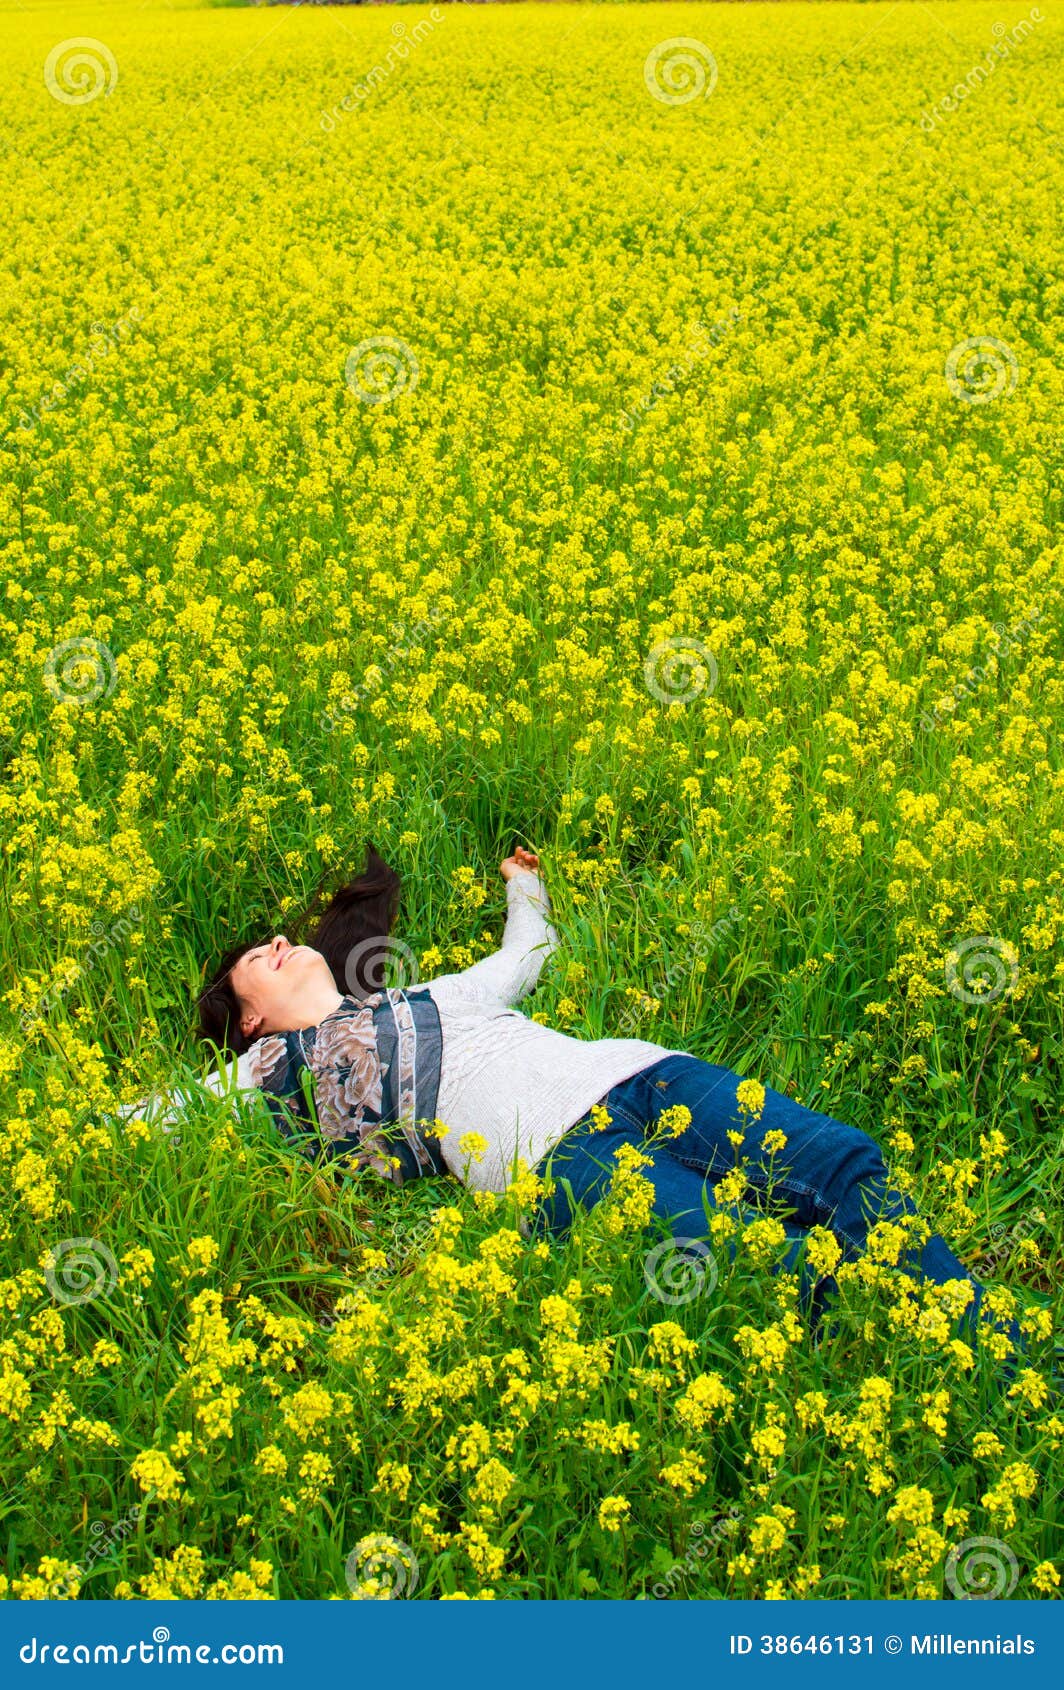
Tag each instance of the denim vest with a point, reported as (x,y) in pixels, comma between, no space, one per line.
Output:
(361,1087)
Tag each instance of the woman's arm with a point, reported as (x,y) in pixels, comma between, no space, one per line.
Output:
(164,1109)
(528,939)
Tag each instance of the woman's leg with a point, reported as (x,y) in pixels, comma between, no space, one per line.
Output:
(585,1158)
(828,1173)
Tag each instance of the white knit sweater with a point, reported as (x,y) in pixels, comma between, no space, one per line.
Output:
(517,1084)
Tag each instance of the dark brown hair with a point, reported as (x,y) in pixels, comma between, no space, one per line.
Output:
(359,912)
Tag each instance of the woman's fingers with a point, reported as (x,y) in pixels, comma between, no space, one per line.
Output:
(520,859)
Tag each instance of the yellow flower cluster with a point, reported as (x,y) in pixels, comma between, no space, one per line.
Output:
(667,480)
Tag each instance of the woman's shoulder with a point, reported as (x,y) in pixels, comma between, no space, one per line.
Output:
(267,1060)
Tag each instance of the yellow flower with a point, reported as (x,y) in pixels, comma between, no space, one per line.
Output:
(673,1121)
(202,1253)
(613,1440)
(705,1397)
(491,1484)
(768,1534)
(1031,1386)
(394,1478)
(54,1581)
(153,1471)
(750,1096)
(912,1506)
(685,1474)
(1018,1482)
(315,1470)
(557,1314)
(139,1265)
(613,1512)
(667,1342)
(473,1145)
(486,1558)
(764,1238)
(823,1250)
(936,1411)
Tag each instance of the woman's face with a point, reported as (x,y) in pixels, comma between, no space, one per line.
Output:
(281,987)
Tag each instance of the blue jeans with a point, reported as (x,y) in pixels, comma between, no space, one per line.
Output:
(828,1174)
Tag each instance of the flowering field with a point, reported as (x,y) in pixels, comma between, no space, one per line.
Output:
(632,430)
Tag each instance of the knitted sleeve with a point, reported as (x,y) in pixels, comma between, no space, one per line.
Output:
(165,1109)
(528,939)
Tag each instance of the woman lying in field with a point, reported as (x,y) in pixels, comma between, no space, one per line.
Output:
(370,1077)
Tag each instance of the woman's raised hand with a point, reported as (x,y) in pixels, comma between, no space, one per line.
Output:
(520,859)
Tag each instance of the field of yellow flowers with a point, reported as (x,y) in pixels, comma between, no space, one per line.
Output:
(632,430)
